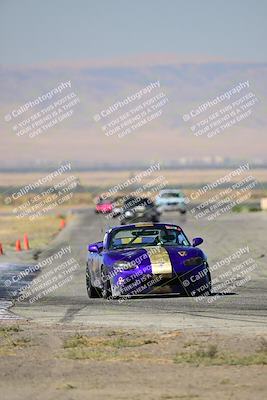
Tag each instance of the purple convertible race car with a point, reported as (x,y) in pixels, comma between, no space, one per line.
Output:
(146,258)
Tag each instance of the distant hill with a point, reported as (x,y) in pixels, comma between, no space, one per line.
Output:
(168,137)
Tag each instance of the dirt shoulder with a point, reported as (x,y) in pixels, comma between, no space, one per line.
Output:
(63,362)
(40,232)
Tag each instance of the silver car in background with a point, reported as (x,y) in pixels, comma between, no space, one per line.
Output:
(171,200)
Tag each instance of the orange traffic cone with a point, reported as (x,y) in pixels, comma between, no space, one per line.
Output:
(1,249)
(26,242)
(62,223)
(18,245)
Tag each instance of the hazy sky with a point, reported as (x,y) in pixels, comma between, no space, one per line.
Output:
(37,31)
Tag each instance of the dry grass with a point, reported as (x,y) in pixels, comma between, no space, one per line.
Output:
(141,363)
(76,199)
(106,178)
(120,346)
(212,356)
(10,341)
(111,347)
(40,231)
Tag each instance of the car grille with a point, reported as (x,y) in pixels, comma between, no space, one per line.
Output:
(193,262)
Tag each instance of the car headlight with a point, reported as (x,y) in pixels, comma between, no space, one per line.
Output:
(140,208)
(193,262)
(123,265)
(129,214)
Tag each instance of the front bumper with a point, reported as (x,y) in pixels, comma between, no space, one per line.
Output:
(172,207)
(193,282)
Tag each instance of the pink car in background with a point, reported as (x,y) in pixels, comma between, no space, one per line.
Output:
(103,206)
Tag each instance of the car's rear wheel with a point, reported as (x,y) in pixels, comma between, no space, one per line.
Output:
(91,290)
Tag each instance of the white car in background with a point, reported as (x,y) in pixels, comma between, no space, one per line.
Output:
(171,200)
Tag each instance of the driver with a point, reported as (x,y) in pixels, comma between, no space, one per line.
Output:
(167,237)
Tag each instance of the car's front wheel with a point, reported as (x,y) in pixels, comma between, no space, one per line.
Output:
(106,291)
(91,290)
(209,280)
(203,290)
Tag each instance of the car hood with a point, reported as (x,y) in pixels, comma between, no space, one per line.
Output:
(169,258)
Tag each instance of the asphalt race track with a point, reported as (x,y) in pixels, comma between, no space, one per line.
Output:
(243,308)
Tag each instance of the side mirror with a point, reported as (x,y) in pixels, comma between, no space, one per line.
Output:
(197,241)
(95,247)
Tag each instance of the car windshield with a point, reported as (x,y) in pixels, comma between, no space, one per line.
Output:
(102,201)
(148,236)
(170,194)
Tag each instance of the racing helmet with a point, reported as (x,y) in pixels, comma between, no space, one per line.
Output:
(167,237)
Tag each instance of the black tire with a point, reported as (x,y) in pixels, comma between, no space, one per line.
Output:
(209,280)
(91,290)
(208,290)
(106,291)
(187,293)
(183,212)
